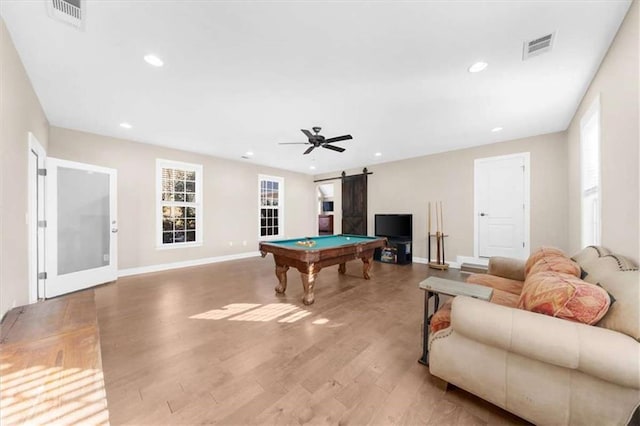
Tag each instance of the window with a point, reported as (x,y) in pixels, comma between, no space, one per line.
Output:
(179,204)
(590,174)
(271,207)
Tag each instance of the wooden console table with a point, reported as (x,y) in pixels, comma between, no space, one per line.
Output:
(435,286)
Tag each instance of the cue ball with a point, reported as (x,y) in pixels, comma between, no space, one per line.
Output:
(348,238)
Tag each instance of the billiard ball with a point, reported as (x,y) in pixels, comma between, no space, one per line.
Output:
(348,238)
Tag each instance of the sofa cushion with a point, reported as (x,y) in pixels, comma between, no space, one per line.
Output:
(564,296)
(556,264)
(623,315)
(541,253)
(498,283)
(442,319)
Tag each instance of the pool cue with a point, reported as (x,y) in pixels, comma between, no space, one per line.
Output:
(442,236)
(437,235)
(429,232)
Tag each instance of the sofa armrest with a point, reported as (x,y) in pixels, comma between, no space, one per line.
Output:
(506,267)
(599,352)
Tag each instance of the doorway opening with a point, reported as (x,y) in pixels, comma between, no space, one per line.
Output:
(329,208)
(36,218)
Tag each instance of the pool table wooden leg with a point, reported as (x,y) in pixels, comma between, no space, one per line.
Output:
(366,266)
(308,283)
(342,269)
(281,273)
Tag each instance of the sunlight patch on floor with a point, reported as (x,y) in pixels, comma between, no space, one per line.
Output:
(226,311)
(40,395)
(256,312)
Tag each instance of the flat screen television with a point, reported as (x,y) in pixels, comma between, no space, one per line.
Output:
(327,206)
(394,225)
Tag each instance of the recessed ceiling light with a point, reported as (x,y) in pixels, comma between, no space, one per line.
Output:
(378,154)
(478,66)
(153,60)
(496,129)
(126,125)
(248,153)
(312,167)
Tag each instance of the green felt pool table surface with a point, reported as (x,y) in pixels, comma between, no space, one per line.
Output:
(324,242)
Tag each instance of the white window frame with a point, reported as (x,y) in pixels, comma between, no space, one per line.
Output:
(593,236)
(281,219)
(198,204)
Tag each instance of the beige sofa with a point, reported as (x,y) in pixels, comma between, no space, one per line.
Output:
(544,369)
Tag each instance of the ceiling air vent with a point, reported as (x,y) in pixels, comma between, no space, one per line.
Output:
(68,11)
(538,46)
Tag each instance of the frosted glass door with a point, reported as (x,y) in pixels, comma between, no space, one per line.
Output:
(82,226)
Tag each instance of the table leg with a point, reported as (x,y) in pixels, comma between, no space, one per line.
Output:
(281,273)
(366,267)
(342,268)
(308,283)
(424,359)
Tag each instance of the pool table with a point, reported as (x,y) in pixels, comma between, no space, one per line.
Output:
(310,254)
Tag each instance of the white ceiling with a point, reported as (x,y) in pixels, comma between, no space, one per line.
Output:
(243,76)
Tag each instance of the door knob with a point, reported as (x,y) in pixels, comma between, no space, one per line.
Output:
(483,214)
(114,230)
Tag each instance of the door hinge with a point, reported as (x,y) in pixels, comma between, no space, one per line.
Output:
(42,275)
(42,224)
(42,172)
(522,244)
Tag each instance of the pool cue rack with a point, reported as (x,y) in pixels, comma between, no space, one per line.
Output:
(439,236)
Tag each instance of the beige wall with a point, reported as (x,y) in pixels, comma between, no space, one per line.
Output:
(230,197)
(20,113)
(406,186)
(617,84)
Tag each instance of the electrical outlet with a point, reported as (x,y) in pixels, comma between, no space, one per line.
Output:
(244,243)
(230,243)
(105,257)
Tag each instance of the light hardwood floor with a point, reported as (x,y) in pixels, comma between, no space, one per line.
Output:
(215,344)
(50,367)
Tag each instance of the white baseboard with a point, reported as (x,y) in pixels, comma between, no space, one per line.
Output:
(474,260)
(423,260)
(184,264)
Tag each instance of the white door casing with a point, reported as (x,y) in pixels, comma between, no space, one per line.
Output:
(36,218)
(501,206)
(81,237)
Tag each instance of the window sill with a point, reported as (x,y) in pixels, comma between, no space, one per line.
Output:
(178,246)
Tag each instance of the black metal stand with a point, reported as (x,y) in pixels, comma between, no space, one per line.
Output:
(424,359)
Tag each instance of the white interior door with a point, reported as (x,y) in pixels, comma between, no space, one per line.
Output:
(502,206)
(81,228)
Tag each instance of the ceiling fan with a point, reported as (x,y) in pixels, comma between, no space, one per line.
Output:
(318,140)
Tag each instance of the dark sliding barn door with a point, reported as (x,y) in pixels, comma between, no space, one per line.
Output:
(354,204)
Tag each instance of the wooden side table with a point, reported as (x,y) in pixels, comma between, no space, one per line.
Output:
(434,287)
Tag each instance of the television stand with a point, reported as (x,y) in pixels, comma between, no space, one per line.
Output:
(399,251)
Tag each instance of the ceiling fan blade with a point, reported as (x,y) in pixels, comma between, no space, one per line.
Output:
(309,149)
(293,143)
(338,139)
(334,148)
(307,133)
